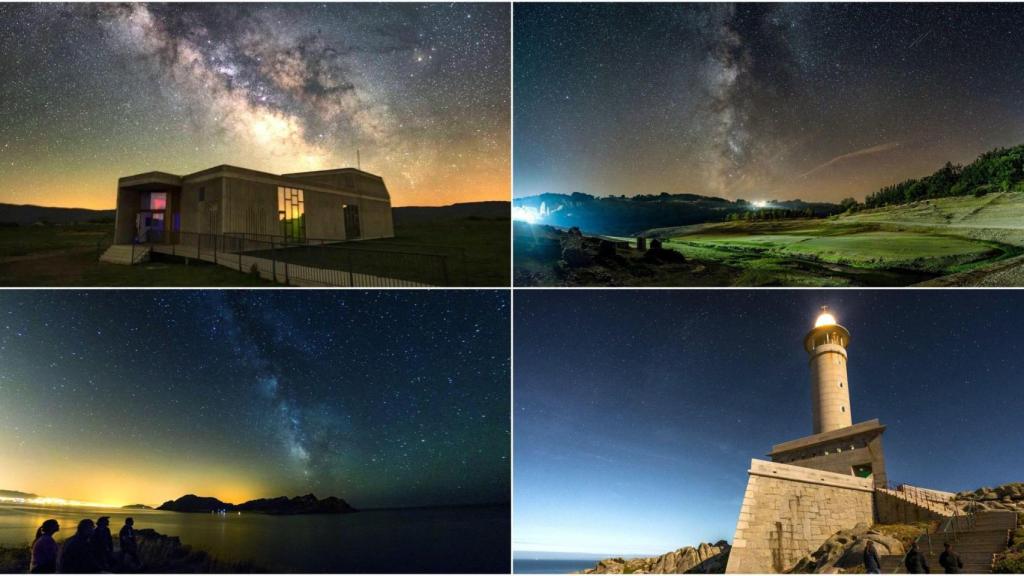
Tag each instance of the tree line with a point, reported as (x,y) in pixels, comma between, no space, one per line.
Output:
(999,170)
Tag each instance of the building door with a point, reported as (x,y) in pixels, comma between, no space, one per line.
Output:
(351,215)
(149,221)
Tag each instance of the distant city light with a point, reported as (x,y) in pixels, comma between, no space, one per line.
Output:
(46,501)
(759,203)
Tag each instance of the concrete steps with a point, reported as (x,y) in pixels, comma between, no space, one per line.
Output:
(127,254)
(976,544)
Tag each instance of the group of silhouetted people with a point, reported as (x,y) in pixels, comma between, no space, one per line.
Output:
(89,550)
(915,561)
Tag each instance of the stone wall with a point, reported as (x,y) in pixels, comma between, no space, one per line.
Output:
(788,511)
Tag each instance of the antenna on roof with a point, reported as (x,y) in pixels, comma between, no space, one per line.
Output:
(359,163)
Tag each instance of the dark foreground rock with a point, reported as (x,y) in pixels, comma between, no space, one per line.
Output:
(704,559)
(308,504)
(159,554)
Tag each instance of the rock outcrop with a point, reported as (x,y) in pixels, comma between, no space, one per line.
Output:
(704,559)
(1006,497)
(308,504)
(845,550)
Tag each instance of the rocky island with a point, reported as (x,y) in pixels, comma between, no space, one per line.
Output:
(308,504)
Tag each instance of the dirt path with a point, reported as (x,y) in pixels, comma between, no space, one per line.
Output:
(1005,273)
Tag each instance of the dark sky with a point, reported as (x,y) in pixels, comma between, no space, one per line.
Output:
(637,412)
(760,101)
(92,92)
(382,398)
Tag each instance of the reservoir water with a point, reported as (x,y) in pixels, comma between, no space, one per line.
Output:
(447,540)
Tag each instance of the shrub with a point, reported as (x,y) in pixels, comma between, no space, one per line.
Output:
(1012,563)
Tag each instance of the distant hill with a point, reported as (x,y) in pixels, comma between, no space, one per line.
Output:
(492,210)
(308,504)
(17,494)
(26,214)
(136,507)
(628,216)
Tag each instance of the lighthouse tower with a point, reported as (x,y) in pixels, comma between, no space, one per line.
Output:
(826,345)
(836,443)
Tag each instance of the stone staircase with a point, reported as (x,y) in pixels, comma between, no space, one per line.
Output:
(126,254)
(976,543)
(907,504)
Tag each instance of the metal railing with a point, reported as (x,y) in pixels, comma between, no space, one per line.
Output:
(320,263)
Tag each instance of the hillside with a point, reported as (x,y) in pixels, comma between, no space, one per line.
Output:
(999,170)
(622,216)
(27,214)
(308,504)
(492,210)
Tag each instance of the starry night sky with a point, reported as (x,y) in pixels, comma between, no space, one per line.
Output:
(381,398)
(760,101)
(92,92)
(637,412)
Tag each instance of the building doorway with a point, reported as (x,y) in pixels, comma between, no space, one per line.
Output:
(150,219)
(351,216)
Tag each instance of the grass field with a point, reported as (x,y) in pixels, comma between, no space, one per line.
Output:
(454,252)
(884,248)
(971,240)
(477,249)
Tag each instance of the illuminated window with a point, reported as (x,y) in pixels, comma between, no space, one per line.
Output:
(153,201)
(291,213)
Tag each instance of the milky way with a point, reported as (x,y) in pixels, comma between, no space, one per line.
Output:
(383,399)
(93,92)
(759,101)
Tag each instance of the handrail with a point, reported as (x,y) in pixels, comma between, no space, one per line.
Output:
(331,264)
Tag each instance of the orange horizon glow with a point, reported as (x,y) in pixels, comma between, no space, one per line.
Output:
(102,194)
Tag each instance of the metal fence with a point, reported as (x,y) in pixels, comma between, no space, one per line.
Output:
(316,262)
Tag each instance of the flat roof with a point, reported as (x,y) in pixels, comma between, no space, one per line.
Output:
(334,171)
(867,427)
(168,179)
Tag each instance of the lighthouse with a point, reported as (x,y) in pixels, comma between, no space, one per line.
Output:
(826,346)
(835,444)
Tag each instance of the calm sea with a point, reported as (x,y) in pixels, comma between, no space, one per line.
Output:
(411,540)
(559,566)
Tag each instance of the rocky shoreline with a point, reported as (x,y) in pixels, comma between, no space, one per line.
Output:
(159,553)
(704,559)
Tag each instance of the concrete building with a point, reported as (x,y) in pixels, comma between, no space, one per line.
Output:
(339,204)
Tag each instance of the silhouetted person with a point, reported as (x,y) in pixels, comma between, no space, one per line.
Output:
(872,565)
(950,561)
(102,544)
(915,562)
(76,556)
(45,549)
(129,547)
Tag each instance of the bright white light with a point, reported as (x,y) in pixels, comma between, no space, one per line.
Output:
(825,319)
(759,204)
(525,214)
